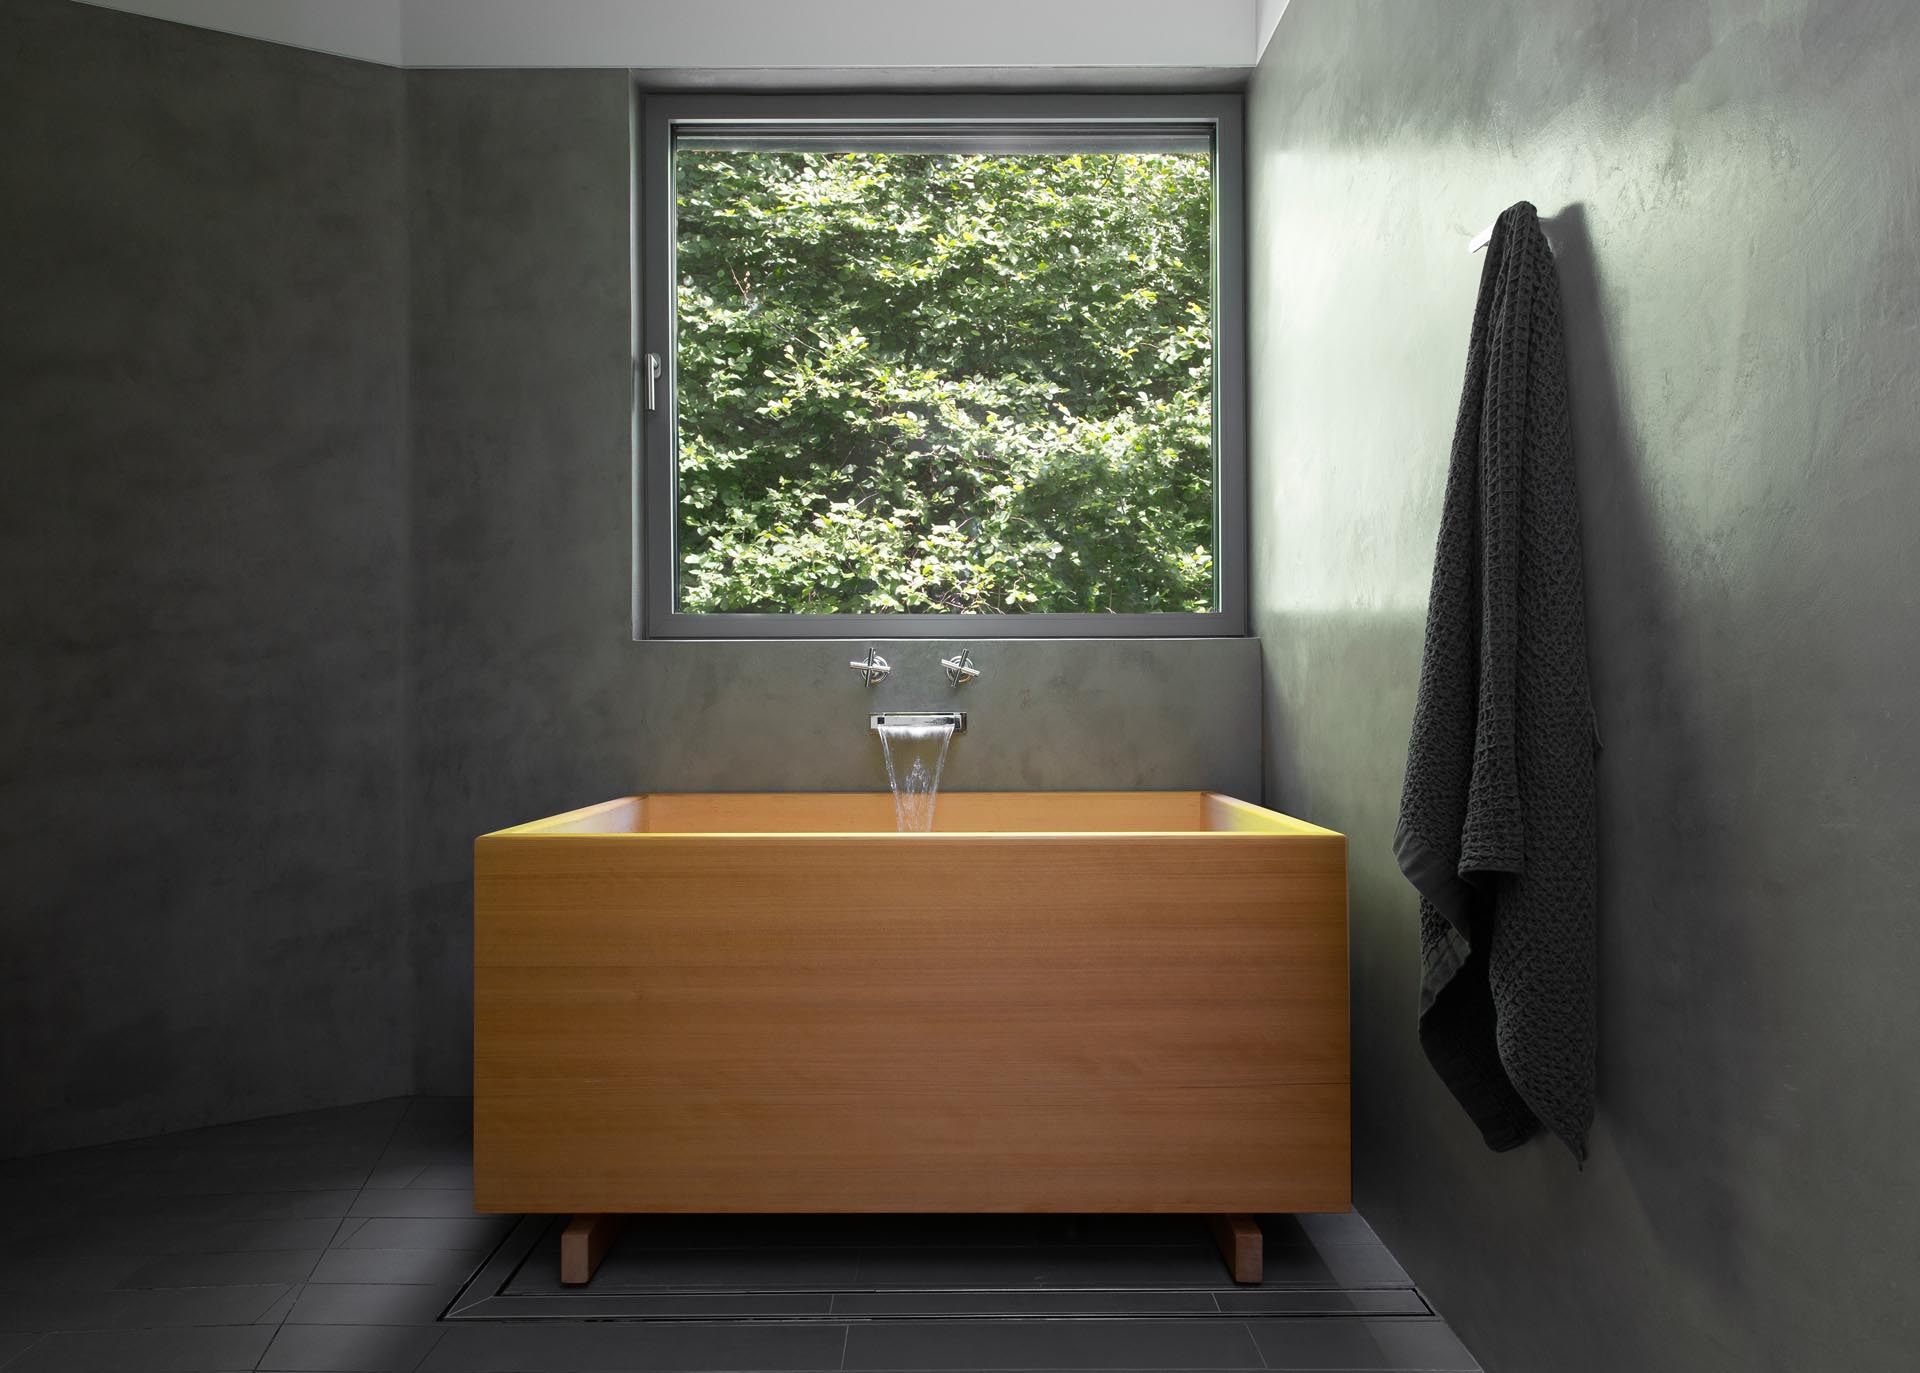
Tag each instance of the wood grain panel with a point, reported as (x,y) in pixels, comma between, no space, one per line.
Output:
(584,1243)
(1241,1244)
(954,1022)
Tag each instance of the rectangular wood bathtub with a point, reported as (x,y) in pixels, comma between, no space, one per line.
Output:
(1069,1002)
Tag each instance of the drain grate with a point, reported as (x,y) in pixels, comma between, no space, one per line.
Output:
(851,1268)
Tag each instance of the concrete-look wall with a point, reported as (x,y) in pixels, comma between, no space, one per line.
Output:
(315,563)
(528,694)
(1732,193)
(202,538)
(522,698)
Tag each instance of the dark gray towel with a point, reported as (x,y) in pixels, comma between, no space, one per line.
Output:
(1497,819)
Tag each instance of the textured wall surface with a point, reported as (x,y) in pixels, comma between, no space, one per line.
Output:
(528,694)
(1085,715)
(202,547)
(522,693)
(1732,193)
(316,565)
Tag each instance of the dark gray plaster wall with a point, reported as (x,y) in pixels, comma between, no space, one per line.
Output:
(1734,200)
(522,698)
(315,559)
(528,695)
(1085,715)
(202,539)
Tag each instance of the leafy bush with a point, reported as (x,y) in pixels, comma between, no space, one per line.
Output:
(920,382)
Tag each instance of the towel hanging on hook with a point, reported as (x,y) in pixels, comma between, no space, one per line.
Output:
(1485,236)
(1497,817)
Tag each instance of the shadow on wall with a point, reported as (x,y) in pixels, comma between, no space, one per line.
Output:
(1659,822)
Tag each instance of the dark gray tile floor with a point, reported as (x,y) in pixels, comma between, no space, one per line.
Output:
(336,1241)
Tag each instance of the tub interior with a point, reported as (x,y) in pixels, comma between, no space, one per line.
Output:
(958,812)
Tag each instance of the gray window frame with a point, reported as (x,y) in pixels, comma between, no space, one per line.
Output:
(1219,114)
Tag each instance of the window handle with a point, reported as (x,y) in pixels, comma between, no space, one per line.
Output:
(653,381)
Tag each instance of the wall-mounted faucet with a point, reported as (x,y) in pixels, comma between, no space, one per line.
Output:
(873,670)
(960,668)
(954,721)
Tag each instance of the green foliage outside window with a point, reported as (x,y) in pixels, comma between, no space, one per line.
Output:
(915,382)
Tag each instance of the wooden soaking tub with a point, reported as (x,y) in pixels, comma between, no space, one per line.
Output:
(1064,1002)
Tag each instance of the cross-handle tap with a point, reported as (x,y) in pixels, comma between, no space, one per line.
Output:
(960,668)
(873,669)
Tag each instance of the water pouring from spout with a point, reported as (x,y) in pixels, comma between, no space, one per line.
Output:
(907,749)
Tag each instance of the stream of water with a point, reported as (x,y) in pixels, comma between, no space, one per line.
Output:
(915,754)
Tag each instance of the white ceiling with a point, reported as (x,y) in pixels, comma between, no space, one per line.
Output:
(747,34)
(1266,17)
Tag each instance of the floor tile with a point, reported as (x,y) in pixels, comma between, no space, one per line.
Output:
(247,1149)
(1335,1227)
(189,1306)
(395,1175)
(1397,1345)
(334,1241)
(40,1271)
(430,1138)
(424,1116)
(625,1348)
(1335,1265)
(175,1236)
(350,1303)
(1096,1344)
(440,1107)
(454,1174)
(209,1179)
(40,1311)
(784,1269)
(395,1265)
(211,1350)
(1041,1266)
(413,1202)
(280,1310)
(223,1270)
(693,1306)
(1017,1304)
(1307,1301)
(475,1233)
(240,1206)
(351,1348)
(117,1206)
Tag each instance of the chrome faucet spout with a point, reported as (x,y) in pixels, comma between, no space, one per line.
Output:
(957,720)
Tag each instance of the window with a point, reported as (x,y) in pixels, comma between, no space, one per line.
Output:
(932,366)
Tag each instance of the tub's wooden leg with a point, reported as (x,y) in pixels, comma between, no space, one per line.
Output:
(1241,1245)
(584,1243)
